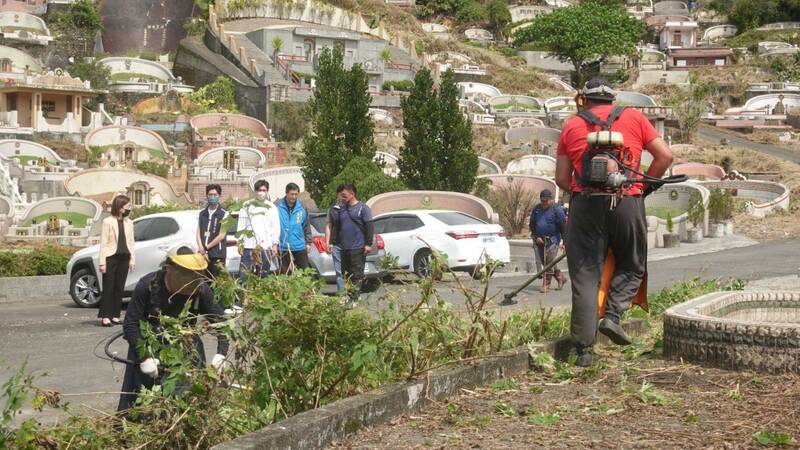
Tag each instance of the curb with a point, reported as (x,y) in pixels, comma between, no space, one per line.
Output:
(13,289)
(319,427)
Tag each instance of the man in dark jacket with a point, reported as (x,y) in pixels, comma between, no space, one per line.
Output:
(352,229)
(165,293)
(547,225)
(295,239)
(210,232)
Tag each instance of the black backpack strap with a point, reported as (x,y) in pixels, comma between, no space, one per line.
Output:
(592,119)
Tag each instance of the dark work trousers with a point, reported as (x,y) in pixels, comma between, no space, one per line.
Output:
(114,285)
(299,258)
(215,266)
(353,270)
(134,380)
(546,255)
(592,229)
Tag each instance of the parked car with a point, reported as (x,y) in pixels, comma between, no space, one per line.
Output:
(154,235)
(467,241)
(323,262)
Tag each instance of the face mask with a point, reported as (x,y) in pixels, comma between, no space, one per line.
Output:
(213,199)
(261,195)
(126,212)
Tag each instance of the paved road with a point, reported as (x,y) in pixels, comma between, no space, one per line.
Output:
(56,336)
(715,134)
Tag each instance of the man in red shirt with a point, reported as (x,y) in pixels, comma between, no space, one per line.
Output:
(599,222)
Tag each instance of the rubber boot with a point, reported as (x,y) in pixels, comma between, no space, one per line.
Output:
(561,280)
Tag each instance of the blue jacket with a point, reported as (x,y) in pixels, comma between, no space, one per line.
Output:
(295,227)
(548,223)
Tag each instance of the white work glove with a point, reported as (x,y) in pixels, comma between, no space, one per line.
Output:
(149,367)
(218,362)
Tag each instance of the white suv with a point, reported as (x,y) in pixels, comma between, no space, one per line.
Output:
(154,235)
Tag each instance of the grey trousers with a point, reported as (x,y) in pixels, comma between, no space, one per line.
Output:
(592,229)
(545,255)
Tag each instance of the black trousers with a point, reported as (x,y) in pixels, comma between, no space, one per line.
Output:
(299,258)
(593,228)
(113,286)
(353,262)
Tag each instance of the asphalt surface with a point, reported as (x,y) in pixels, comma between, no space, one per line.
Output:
(56,336)
(734,140)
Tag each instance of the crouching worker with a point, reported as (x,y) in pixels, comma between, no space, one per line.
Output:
(166,293)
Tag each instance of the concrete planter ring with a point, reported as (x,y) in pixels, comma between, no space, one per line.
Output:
(672,240)
(694,235)
(716,230)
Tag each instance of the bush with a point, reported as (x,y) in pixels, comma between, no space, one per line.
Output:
(153,168)
(720,205)
(141,211)
(514,204)
(94,72)
(398,85)
(218,96)
(288,121)
(368,178)
(48,260)
(472,12)
(696,211)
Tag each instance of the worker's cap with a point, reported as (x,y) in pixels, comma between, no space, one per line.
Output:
(598,88)
(545,195)
(187,258)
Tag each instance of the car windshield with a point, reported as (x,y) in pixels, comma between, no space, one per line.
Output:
(456,218)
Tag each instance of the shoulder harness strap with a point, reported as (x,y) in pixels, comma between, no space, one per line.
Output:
(592,119)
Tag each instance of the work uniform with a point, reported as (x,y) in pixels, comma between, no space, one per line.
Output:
(352,229)
(210,226)
(295,235)
(595,226)
(548,225)
(264,225)
(149,301)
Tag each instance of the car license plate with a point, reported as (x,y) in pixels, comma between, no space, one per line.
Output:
(488,239)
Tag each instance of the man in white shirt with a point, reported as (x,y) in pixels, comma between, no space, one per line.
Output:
(259,233)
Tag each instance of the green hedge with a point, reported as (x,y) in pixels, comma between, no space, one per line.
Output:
(48,260)
(398,85)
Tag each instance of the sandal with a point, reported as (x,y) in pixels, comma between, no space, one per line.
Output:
(106,323)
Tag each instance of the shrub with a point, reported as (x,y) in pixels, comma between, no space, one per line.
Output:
(398,85)
(142,211)
(720,205)
(48,260)
(288,121)
(153,168)
(513,204)
(696,211)
(670,224)
(471,12)
(218,96)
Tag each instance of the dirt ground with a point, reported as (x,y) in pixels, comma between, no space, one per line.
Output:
(631,399)
(781,225)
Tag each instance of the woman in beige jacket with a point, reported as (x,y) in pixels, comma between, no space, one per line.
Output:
(116,259)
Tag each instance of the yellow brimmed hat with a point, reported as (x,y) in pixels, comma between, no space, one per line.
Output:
(186,258)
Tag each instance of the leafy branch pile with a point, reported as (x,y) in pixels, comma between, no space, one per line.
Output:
(293,349)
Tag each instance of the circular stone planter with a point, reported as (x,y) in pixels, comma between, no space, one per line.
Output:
(737,330)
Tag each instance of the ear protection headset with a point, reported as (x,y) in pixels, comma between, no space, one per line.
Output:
(580,97)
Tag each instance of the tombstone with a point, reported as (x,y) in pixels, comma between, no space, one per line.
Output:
(779,108)
(53,225)
(172,101)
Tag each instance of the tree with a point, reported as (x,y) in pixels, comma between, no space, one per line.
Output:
(583,33)
(437,153)
(367,176)
(288,120)
(94,72)
(417,162)
(470,12)
(341,127)
(458,160)
(217,96)
(499,16)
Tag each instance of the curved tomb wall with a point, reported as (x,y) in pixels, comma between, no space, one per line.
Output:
(396,201)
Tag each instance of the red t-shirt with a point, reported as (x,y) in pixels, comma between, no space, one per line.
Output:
(634,126)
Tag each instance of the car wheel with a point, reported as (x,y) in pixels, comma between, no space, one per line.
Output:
(422,264)
(84,289)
